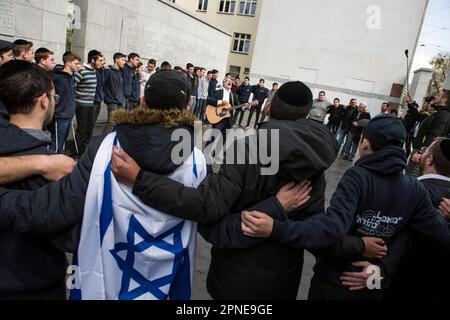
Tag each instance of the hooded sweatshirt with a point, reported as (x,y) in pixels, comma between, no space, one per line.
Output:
(114,87)
(373,199)
(65,88)
(32,266)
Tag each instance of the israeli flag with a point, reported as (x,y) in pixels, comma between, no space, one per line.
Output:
(129,251)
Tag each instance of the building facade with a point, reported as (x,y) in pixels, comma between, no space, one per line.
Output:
(352,50)
(239,18)
(42,22)
(154,29)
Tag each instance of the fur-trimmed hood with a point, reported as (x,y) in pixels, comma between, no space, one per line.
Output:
(146,135)
(171,118)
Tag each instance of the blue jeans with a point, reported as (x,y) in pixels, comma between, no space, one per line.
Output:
(342,134)
(201,105)
(350,147)
(59,136)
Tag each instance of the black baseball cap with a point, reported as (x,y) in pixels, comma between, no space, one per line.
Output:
(386,131)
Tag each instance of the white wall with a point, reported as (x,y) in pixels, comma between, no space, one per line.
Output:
(42,22)
(328,44)
(152,29)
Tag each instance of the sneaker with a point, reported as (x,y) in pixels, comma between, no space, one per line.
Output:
(345,157)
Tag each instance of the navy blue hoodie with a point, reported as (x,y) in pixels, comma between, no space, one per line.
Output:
(100,91)
(373,199)
(129,76)
(32,266)
(114,87)
(65,88)
(244,93)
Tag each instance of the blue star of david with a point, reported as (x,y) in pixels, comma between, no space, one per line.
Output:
(127,265)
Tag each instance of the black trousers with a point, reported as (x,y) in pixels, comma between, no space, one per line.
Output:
(258,115)
(85,127)
(97,109)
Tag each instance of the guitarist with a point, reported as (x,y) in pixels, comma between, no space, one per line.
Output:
(220,97)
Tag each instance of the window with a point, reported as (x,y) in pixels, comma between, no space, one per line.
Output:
(227,6)
(247,71)
(247,7)
(235,71)
(202,5)
(241,42)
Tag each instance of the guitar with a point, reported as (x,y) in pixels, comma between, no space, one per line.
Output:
(217,114)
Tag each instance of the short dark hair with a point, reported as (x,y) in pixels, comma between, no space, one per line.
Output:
(166,64)
(374,145)
(69,57)
(247,78)
(262,80)
(19,91)
(215,71)
(189,65)
(152,61)
(20,46)
(133,55)
(275,84)
(42,54)
(94,55)
(228,75)
(118,55)
(441,163)
(322,92)
(209,72)
(3,51)
(337,99)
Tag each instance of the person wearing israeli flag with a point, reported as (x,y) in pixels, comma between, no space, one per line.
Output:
(126,250)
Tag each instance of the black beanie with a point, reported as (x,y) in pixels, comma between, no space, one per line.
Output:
(167,89)
(386,131)
(296,94)
(445,148)
(13,67)
(291,102)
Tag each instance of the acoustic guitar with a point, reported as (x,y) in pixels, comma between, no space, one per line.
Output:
(217,114)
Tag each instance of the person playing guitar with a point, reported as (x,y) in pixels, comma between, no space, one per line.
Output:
(223,96)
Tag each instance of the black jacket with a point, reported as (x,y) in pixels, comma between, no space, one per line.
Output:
(65,88)
(436,125)
(423,271)
(241,267)
(129,76)
(100,91)
(136,93)
(114,87)
(32,266)
(349,117)
(411,117)
(373,199)
(213,84)
(260,94)
(357,131)
(244,93)
(336,114)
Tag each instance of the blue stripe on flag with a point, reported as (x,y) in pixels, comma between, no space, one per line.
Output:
(195,166)
(107,211)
